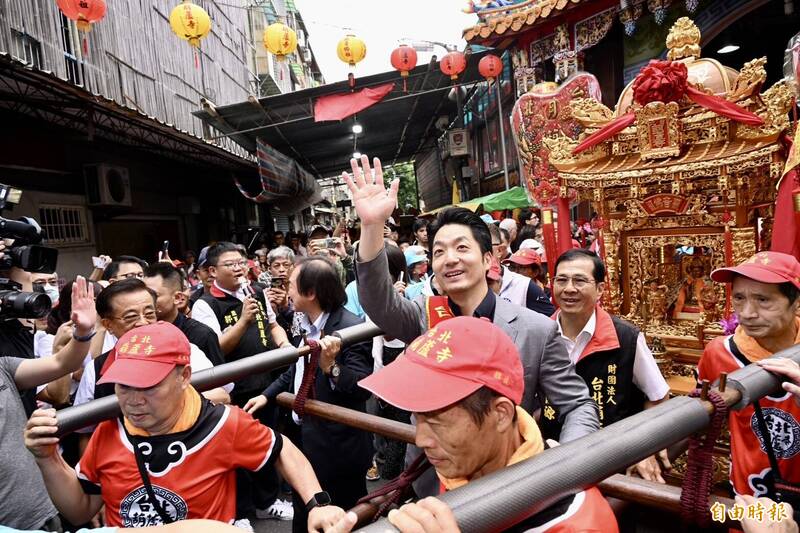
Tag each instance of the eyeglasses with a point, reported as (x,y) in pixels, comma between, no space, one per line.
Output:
(129,275)
(234,264)
(578,283)
(133,317)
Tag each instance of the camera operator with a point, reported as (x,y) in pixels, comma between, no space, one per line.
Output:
(20,255)
(24,502)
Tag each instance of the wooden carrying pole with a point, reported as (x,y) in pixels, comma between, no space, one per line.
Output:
(96,411)
(628,489)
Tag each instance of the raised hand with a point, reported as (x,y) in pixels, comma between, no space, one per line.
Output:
(84,315)
(373,202)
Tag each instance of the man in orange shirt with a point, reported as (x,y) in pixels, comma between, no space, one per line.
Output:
(173,454)
(765,292)
(463,381)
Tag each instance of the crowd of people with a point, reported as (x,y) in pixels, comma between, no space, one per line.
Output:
(490,358)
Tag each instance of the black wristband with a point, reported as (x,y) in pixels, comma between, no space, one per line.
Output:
(87,338)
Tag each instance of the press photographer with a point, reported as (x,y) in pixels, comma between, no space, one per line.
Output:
(21,256)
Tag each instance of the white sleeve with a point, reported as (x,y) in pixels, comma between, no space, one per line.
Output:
(43,344)
(86,386)
(271,318)
(202,312)
(199,362)
(109,341)
(646,374)
(85,391)
(377,353)
(198,359)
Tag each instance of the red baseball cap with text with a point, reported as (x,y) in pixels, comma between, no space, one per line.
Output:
(524,256)
(145,355)
(766,267)
(447,364)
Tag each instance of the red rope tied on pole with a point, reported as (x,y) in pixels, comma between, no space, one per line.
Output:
(310,365)
(699,465)
(398,486)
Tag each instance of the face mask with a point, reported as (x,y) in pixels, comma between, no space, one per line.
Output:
(52,293)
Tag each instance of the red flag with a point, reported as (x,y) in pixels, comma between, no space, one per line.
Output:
(340,106)
(785,239)
(564,226)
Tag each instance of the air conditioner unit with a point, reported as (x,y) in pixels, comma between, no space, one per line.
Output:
(107,185)
(307,57)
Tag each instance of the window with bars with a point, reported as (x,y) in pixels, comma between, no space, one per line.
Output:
(64,224)
(27,48)
(70,42)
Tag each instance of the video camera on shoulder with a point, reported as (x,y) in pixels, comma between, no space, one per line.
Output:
(26,254)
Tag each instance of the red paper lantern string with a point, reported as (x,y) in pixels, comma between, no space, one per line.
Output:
(404,59)
(490,67)
(84,13)
(453,64)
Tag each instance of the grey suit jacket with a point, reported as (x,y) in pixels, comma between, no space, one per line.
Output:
(544,356)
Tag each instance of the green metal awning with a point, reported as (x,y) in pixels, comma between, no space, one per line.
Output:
(511,199)
(290,6)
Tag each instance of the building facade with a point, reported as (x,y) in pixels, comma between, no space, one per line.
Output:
(548,40)
(103,141)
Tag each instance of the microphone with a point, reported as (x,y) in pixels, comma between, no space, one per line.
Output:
(244,283)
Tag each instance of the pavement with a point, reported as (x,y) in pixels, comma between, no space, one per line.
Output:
(280,526)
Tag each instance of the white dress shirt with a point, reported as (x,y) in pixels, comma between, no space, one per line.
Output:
(202,312)
(313,332)
(646,375)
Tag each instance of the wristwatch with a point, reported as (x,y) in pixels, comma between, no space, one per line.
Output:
(320,499)
(335,370)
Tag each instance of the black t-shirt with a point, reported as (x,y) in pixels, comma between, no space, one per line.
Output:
(200,291)
(538,300)
(201,336)
(17,341)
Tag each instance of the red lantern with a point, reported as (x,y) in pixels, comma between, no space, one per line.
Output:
(490,67)
(453,64)
(84,13)
(404,59)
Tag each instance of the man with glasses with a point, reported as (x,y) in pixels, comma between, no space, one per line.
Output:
(610,354)
(124,267)
(245,323)
(461,249)
(123,306)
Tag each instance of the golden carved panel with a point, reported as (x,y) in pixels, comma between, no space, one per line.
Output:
(643,268)
(744,244)
(659,130)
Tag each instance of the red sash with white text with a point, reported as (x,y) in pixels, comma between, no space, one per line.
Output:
(437,310)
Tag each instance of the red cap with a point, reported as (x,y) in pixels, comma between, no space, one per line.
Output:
(145,355)
(766,267)
(495,273)
(525,256)
(447,364)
